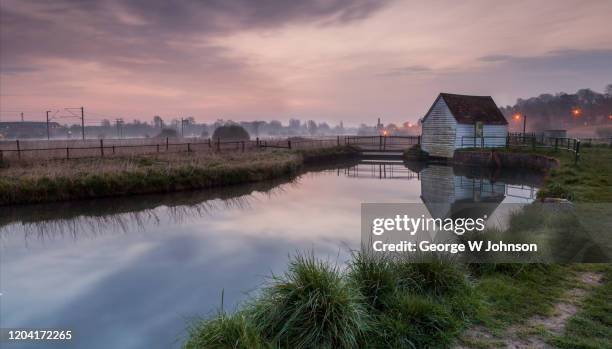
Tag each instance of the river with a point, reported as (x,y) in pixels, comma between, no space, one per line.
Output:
(133,272)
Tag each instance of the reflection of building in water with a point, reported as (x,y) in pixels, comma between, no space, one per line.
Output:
(448,195)
(380,169)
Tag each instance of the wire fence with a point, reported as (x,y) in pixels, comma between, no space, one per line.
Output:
(20,150)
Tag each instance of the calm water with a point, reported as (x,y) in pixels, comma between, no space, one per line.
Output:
(131,272)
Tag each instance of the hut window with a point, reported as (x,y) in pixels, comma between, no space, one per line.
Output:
(478,129)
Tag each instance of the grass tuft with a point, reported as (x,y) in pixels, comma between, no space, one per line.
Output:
(311,306)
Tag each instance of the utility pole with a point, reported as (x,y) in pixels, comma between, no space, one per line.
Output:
(119,128)
(48,132)
(83,123)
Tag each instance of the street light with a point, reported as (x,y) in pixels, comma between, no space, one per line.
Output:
(576,112)
(518,116)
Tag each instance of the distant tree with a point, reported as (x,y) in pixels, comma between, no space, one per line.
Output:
(294,124)
(158,122)
(167,132)
(608,90)
(312,127)
(231,132)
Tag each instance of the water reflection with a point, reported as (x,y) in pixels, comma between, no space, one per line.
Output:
(128,272)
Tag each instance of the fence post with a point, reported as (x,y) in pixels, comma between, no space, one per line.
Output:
(289,143)
(507,141)
(189,147)
(1,157)
(419,140)
(556,143)
(482,142)
(101,148)
(533,143)
(257,142)
(157,147)
(113,149)
(379,143)
(167,144)
(67,153)
(577,152)
(18,150)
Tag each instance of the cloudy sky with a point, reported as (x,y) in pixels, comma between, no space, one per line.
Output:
(274,59)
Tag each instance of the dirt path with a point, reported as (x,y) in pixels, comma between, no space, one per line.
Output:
(530,334)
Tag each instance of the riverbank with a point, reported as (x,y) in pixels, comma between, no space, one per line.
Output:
(588,180)
(64,180)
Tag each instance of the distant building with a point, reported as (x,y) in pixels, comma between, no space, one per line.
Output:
(460,121)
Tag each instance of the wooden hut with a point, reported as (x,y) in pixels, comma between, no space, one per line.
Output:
(460,121)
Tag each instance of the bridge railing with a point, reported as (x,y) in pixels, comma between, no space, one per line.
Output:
(382,143)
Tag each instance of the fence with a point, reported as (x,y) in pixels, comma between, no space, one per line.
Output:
(72,149)
(525,140)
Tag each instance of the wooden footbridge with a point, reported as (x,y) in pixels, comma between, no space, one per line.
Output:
(382,146)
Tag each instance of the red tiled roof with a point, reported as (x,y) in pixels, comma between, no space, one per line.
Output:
(471,109)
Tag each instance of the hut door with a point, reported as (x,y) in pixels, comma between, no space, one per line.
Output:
(478,129)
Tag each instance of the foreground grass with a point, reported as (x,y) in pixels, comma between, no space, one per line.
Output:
(376,303)
(61,180)
(591,328)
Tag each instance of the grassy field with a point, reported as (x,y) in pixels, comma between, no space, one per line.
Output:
(61,180)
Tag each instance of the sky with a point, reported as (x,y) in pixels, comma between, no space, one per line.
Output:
(327,60)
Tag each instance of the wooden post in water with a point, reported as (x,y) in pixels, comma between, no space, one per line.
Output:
(289,143)
(101,148)
(67,153)
(189,147)
(18,150)
(167,144)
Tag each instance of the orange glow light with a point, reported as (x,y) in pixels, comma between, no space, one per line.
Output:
(516,117)
(610,117)
(385,132)
(576,112)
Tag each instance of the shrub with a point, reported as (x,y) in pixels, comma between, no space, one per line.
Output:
(436,276)
(374,276)
(231,133)
(556,190)
(311,306)
(225,332)
(167,132)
